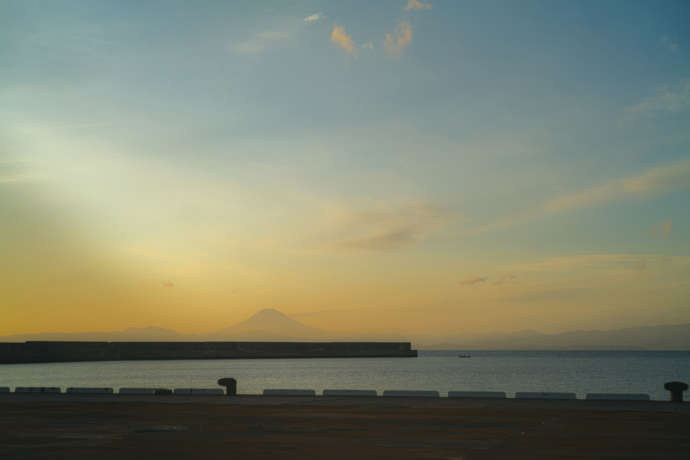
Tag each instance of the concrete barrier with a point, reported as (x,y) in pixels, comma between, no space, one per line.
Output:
(618,396)
(477,394)
(543,395)
(37,390)
(95,391)
(4,389)
(137,391)
(350,393)
(410,393)
(199,391)
(287,392)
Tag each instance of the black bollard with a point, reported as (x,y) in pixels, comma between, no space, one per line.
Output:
(676,389)
(230,385)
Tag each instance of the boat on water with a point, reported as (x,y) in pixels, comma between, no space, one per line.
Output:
(464,356)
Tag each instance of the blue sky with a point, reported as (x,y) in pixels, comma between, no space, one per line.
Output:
(475,136)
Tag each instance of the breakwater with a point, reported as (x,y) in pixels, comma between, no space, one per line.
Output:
(50,352)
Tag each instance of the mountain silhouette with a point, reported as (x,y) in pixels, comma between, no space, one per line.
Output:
(270,324)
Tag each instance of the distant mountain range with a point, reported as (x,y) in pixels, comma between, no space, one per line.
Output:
(272,325)
(664,337)
(267,324)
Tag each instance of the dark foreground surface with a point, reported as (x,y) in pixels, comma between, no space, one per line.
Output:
(340,428)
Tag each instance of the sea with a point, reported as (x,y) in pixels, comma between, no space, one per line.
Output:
(580,372)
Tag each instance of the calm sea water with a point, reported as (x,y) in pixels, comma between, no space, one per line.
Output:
(510,371)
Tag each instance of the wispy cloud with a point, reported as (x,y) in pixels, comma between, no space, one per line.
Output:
(12,172)
(666,99)
(474,280)
(417,5)
(669,44)
(15,179)
(313,18)
(395,43)
(655,180)
(505,279)
(342,39)
(664,228)
(384,228)
(592,262)
(386,240)
(667,227)
(368,45)
(262,40)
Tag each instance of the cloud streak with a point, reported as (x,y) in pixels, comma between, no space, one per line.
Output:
(474,280)
(386,240)
(505,279)
(384,228)
(667,99)
(653,181)
(395,43)
(267,38)
(342,39)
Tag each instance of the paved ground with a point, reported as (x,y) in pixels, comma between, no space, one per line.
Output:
(343,428)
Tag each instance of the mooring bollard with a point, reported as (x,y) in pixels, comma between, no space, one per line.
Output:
(676,389)
(230,385)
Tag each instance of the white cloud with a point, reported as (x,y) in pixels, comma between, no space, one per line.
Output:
(313,18)
(417,5)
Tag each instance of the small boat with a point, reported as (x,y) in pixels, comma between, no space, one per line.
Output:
(464,356)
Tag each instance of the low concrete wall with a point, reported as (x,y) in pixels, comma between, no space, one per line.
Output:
(477,394)
(38,352)
(543,395)
(289,392)
(350,393)
(199,391)
(83,390)
(4,389)
(37,390)
(618,396)
(137,391)
(411,393)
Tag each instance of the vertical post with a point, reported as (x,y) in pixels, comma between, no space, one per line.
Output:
(230,385)
(676,389)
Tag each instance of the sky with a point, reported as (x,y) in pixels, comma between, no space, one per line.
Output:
(401,167)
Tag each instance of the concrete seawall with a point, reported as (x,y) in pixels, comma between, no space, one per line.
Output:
(49,352)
